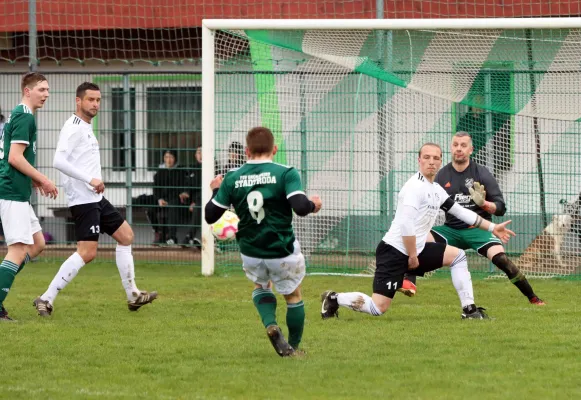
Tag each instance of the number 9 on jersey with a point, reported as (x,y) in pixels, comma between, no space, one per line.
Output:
(226,227)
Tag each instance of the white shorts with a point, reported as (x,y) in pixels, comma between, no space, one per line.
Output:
(286,273)
(19,221)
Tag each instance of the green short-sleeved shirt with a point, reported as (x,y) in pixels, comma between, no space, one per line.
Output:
(259,192)
(19,128)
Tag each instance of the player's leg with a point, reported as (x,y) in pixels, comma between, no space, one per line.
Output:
(265,302)
(39,243)
(114,225)
(15,216)
(461,279)
(87,219)
(391,265)
(496,254)
(286,275)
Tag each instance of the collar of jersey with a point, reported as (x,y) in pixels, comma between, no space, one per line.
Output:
(82,120)
(26,109)
(258,161)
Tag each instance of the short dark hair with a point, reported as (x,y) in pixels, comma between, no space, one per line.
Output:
(236,147)
(463,134)
(83,87)
(260,140)
(429,144)
(31,79)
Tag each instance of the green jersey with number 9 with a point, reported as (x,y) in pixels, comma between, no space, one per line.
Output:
(259,192)
(19,128)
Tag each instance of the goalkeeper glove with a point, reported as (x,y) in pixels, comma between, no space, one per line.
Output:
(478,194)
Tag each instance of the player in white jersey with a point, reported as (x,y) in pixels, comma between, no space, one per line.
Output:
(77,158)
(404,246)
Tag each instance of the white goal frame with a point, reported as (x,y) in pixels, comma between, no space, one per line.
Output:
(209,26)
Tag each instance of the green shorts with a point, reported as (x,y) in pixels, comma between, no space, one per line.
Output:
(469,238)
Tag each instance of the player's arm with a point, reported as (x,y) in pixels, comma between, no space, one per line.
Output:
(299,202)
(67,142)
(493,200)
(219,202)
(410,206)
(473,219)
(20,141)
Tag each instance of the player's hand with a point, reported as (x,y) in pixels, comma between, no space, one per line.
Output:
(502,232)
(98,185)
(48,188)
(413,262)
(216,182)
(162,202)
(38,188)
(183,197)
(318,203)
(478,194)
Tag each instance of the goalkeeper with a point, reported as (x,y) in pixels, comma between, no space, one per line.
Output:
(473,187)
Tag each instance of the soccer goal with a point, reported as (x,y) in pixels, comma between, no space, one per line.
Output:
(351,101)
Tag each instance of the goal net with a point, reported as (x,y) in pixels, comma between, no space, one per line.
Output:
(350,106)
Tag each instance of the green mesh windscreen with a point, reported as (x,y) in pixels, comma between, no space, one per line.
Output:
(349,110)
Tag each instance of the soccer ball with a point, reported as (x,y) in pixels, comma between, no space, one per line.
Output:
(226,227)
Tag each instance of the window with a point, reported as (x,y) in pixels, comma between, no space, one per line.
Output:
(174,121)
(118,145)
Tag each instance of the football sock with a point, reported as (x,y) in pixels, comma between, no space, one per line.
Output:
(26,260)
(67,272)
(358,301)
(517,278)
(8,271)
(462,280)
(265,302)
(295,320)
(126,267)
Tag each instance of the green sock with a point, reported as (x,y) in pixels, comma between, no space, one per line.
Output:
(265,303)
(295,320)
(26,259)
(8,271)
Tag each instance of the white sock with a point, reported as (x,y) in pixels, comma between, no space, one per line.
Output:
(66,274)
(358,301)
(462,280)
(126,268)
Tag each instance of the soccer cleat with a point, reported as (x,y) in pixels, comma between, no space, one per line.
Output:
(280,345)
(141,300)
(330,306)
(475,313)
(4,315)
(537,302)
(408,288)
(43,307)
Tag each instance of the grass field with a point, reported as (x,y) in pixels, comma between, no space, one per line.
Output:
(202,339)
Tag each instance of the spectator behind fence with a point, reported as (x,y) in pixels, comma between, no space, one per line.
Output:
(170,190)
(236,157)
(194,237)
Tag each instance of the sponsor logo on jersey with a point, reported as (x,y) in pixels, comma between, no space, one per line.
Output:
(462,198)
(251,180)
(447,185)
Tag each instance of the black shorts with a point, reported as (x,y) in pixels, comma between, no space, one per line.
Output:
(392,264)
(92,219)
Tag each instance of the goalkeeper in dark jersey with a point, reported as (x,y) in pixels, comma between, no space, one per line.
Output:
(472,186)
(264,195)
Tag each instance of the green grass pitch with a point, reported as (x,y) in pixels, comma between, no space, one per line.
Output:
(202,339)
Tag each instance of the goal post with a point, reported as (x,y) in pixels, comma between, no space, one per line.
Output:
(351,101)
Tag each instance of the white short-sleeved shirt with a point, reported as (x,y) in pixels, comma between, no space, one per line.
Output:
(426,198)
(79,143)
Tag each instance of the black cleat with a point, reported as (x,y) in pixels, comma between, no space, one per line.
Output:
(280,345)
(141,300)
(330,307)
(43,307)
(475,313)
(4,315)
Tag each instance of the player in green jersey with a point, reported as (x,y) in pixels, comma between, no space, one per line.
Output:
(17,177)
(264,195)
